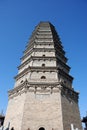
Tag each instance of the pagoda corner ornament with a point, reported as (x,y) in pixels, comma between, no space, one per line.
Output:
(43,97)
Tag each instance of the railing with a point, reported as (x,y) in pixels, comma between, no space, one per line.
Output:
(5,128)
(73,128)
(2,128)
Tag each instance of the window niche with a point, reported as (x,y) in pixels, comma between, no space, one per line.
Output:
(43,77)
(43,65)
(43,55)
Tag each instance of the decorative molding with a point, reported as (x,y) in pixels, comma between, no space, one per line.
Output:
(32,87)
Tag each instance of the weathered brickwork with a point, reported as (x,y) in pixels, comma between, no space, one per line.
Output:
(42,110)
(14,113)
(71,114)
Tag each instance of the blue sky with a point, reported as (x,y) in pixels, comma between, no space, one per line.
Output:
(18,19)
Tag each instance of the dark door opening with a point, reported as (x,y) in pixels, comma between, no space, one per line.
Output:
(41,128)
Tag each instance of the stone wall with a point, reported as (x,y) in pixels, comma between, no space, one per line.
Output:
(14,112)
(71,113)
(42,110)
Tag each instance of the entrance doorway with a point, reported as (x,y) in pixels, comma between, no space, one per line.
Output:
(41,128)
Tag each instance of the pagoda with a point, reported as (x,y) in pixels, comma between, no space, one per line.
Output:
(43,97)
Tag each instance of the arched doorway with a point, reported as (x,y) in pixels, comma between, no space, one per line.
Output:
(41,128)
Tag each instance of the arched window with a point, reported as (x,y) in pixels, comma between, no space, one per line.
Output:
(43,77)
(43,65)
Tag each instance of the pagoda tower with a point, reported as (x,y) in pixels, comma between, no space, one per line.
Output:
(43,97)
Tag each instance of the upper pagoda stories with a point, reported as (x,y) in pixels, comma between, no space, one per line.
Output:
(43,97)
(44,59)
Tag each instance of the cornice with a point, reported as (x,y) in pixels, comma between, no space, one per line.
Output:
(63,64)
(44,43)
(40,32)
(57,48)
(69,93)
(29,47)
(44,49)
(59,54)
(61,72)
